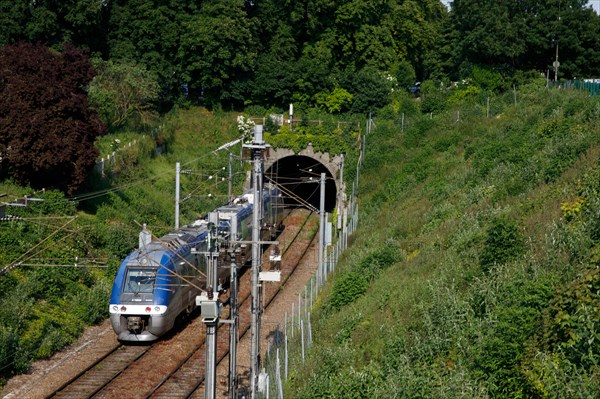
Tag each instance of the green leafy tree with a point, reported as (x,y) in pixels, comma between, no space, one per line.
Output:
(525,34)
(148,33)
(313,73)
(47,131)
(218,51)
(13,17)
(54,22)
(122,90)
(405,76)
(335,101)
(369,88)
(417,31)
(273,81)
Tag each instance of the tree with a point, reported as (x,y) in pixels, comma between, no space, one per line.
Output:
(336,101)
(219,51)
(274,74)
(523,35)
(122,90)
(47,131)
(369,88)
(149,33)
(55,22)
(13,17)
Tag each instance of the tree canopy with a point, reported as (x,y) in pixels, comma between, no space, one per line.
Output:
(525,35)
(234,53)
(47,131)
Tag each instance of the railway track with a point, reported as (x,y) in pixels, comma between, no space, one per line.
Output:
(91,380)
(189,377)
(137,370)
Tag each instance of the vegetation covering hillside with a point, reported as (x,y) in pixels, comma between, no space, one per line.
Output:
(475,271)
(59,256)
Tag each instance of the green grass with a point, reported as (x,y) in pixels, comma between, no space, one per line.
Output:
(487,297)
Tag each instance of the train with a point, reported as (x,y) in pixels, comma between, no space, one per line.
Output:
(159,281)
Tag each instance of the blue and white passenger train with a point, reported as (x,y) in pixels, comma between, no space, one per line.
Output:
(159,281)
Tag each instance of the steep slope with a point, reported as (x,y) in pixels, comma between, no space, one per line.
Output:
(475,270)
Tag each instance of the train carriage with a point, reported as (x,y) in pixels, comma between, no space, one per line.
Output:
(159,281)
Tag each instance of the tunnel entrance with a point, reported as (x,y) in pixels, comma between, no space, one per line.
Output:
(299,177)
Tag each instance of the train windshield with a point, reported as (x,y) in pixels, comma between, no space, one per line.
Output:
(140,280)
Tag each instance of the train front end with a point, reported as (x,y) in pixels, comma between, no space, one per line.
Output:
(139,310)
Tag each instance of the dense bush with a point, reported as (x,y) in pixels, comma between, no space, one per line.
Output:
(503,242)
(347,288)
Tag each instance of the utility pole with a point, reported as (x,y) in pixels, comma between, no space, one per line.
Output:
(230,182)
(321,229)
(211,308)
(556,64)
(340,194)
(233,319)
(257,151)
(177,171)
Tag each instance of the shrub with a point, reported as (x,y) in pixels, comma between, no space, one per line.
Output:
(503,242)
(91,305)
(9,340)
(487,79)
(433,97)
(379,260)
(347,288)
(508,327)
(574,317)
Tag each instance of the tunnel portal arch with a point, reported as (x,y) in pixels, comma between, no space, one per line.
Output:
(299,177)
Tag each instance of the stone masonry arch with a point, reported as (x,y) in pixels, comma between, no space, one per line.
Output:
(299,175)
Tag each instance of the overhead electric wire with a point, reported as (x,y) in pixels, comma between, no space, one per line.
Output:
(176,254)
(292,195)
(99,193)
(22,257)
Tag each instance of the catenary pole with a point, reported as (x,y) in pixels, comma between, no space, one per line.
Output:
(230,182)
(177,171)
(321,228)
(211,323)
(233,330)
(257,148)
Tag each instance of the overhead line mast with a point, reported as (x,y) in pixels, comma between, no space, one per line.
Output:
(258,151)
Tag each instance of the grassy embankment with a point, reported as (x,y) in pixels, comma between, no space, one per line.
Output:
(475,270)
(43,309)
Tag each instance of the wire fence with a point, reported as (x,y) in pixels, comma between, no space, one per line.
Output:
(289,346)
(108,162)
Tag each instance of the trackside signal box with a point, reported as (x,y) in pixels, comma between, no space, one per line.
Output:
(210,309)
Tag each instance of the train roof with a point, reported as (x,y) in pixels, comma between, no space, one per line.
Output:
(151,254)
(185,235)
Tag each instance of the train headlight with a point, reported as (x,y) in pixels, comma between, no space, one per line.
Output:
(156,309)
(148,309)
(115,308)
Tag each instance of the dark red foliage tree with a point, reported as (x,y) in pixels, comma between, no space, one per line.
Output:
(47,131)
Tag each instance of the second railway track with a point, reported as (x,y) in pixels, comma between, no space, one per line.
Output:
(174,367)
